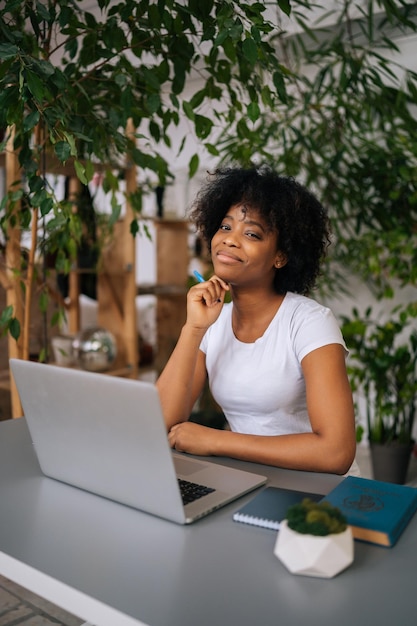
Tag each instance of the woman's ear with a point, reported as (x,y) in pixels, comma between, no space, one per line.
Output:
(280,260)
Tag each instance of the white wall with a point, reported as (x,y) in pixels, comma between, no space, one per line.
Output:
(183,191)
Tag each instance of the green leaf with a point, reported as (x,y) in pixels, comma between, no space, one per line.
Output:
(116,211)
(153,103)
(284,5)
(280,86)
(6,315)
(221,37)
(203,126)
(35,86)
(198,98)
(38,197)
(44,14)
(179,78)
(110,182)
(201,9)
(224,72)
(8,51)
(151,78)
(31,120)
(188,110)
(80,171)
(58,318)
(114,37)
(154,17)
(193,165)
(72,248)
(71,141)
(43,301)
(46,206)
(43,68)
(90,21)
(155,130)
(266,96)
(14,328)
(89,171)
(62,150)
(250,50)
(229,47)
(211,149)
(134,228)
(36,183)
(253,111)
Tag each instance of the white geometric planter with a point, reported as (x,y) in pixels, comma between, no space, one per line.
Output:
(309,555)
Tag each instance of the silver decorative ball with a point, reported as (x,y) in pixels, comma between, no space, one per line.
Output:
(95,349)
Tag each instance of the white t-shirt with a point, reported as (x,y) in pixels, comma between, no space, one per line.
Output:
(260,386)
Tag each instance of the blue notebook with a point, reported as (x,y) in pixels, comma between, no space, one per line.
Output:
(378,512)
(269,507)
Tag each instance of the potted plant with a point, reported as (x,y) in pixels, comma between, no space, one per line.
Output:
(382,368)
(314,540)
(85,89)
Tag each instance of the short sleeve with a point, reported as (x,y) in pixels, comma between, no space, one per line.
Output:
(314,328)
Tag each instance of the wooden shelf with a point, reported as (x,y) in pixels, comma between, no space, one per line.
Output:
(161,290)
(116,294)
(5,380)
(125,372)
(116,281)
(172,260)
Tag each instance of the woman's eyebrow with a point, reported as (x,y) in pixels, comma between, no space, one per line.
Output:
(254,223)
(246,220)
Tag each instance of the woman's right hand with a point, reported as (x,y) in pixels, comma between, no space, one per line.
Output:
(205,302)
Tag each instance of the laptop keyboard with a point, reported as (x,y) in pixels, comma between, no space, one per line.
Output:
(192,491)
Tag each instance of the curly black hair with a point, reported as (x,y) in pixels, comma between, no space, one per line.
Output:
(284,204)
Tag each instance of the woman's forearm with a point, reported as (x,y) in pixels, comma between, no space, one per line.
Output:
(301,451)
(179,384)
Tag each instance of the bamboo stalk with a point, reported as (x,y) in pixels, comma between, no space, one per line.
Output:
(74,316)
(29,285)
(13,258)
(4,279)
(40,141)
(129,296)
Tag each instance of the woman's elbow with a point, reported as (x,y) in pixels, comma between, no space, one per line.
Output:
(342,460)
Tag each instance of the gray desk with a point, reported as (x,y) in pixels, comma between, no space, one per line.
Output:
(115,566)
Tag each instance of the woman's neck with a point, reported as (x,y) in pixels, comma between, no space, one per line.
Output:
(252,313)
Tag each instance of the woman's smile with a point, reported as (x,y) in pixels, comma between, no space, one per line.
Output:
(224,256)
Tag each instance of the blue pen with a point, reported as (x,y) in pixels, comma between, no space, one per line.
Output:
(199,277)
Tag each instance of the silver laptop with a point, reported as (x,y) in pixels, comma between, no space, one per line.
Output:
(107,435)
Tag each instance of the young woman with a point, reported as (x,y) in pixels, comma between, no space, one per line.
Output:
(274,358)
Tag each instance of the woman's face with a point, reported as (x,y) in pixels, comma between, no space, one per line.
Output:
(244,250)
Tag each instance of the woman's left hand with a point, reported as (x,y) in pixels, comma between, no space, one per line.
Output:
(192,438)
